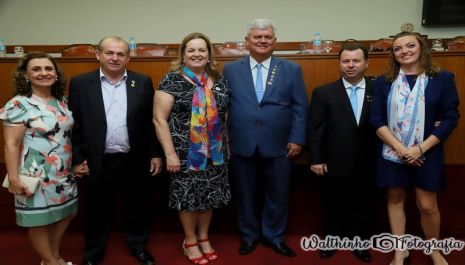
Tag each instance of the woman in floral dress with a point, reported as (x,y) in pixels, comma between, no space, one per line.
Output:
(37,129)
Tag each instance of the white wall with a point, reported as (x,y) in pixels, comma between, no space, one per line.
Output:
(168,21)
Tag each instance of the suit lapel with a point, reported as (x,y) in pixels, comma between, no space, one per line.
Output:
(367,99)
(248,79)
(131,93)
(96,96)
(345,101)
(272,78)
(342,93)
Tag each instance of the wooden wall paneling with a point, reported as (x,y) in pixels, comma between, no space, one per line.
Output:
(155,70)
(6,93)
(73,67)
(6,80)
(36,48)
(377,65)
(173,47)
(317,70)
(455,144)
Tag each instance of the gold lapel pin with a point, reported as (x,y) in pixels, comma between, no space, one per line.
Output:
(133,83)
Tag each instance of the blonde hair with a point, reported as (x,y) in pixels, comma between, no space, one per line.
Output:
(211,69)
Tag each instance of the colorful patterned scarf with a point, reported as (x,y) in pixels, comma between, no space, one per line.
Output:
(406,113)
(205,132)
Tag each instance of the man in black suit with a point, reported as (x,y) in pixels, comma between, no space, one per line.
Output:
(114,142)
(342,149)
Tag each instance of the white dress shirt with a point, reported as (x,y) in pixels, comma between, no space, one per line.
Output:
(360,95)
(115,101)
(265,69)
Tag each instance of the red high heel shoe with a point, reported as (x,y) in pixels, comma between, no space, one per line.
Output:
(209,255)
(199,260)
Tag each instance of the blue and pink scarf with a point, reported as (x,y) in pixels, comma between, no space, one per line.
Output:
(406,113)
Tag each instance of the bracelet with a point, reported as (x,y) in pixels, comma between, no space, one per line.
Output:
(421,150)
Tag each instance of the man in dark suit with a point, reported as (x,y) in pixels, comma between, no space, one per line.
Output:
(267,128)
(114,142)
(342,149)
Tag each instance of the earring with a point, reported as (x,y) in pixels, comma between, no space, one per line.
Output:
(27,80)
(56,79)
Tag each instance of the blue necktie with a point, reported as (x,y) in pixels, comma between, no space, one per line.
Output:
(354,101)
(259,83)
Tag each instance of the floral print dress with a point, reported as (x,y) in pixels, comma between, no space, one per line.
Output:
(45,153)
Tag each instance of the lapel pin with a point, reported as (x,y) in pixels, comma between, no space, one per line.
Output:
(133,83)
(273,73)
(217,88)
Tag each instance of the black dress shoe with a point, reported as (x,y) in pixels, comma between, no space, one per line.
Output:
(280,248)
(325,254)
(143,257)
(363,255)
(247,247)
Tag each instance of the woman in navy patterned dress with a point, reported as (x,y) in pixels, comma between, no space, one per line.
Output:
(189,115)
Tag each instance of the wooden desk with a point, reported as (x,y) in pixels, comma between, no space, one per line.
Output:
(317,69)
